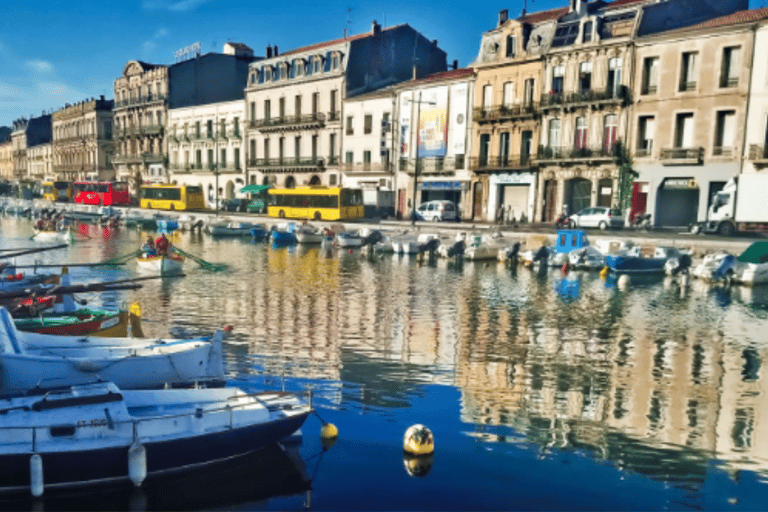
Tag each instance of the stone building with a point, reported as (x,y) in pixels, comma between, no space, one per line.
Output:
(28,133)
(140,114)
(756,146)
(6,160)
(507,116)
(295,101)
(82,141)
(689,119)
(40,162)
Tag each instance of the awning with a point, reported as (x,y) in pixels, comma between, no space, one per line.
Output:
(755,253)
(254,189)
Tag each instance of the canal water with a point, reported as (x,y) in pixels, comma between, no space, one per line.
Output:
(542,391)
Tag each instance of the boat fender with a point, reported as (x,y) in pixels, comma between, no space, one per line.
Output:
(623,282)
(418,440)
(565,268)
(604,272)
(137,463)
(329,431)
(36,475)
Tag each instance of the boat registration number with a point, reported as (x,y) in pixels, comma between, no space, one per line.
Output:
(96,422)
(106,324)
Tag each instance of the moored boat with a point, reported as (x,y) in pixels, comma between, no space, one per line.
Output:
(230,228)
(349,239)
(100,433)
(309,234)
(55,235)
(85,321)
(627,264)
(751,267)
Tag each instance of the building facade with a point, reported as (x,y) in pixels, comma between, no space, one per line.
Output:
(40,162)
(28,133)
(507,116)
(82,141)
(6,160)
(140,111)
(295,101)
(756,146)
(434,137)
(689,120)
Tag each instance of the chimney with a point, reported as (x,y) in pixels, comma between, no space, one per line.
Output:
(415,71)
(503,16)
(269,52)
(455,64)
(275,50)
(434,43)
(101,97)
(375,28)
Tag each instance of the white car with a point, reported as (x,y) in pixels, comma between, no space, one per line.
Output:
(597,217)
(437,210)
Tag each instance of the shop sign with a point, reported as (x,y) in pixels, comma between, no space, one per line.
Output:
(443,185)
(514,178)
(680,183)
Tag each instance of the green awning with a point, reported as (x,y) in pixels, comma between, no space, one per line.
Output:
(254,189)
(755,253)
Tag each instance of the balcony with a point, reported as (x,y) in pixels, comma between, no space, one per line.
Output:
(143,158)
(722,151)
(288,164)
(758,155)
(366,167)
(435,166)
(572,154)
(152,129)
(682,156)
(285,123)
(333,117)
(500,163)
(589,97)
(142,100)
(505,112)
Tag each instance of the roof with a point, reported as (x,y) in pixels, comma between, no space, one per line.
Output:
(622,3)
(442,75)
(736,18)
(239,46)
(541,16)
(317,46)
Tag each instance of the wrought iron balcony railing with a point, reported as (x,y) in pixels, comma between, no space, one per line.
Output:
(574,153)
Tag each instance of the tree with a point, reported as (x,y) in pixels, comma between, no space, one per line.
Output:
(627,174)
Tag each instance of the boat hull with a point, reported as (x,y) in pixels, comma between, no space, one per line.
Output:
(161,264)
(635,265)
(106,323)
(283,238)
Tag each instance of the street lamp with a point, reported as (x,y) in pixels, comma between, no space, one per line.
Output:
(416,169)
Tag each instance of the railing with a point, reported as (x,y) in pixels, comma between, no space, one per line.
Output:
(366,167)
(152,129)
(138,158)
(682,155)
(722,151)
(276,122)
(649,89)
(729,81)
(574,153)
(687,86)
(499,112)
(556,99)
(140,100)
(758,153)
(500,162)
(643,152)
(333,116)
(287,162)
(432,165)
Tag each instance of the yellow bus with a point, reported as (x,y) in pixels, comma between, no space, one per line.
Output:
(172,197)
(313,202)
(57,191)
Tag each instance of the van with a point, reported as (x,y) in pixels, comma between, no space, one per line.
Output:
(437,210)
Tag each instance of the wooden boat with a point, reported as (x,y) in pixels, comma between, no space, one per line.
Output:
(161,264)
(102,434)
(85,321)
(57,235)
(29,360)
(309,234)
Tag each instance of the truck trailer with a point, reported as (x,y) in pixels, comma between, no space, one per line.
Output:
(742,206)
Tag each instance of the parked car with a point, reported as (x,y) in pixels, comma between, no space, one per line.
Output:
(437,210)
(235,205)
(256,206)
(597,217)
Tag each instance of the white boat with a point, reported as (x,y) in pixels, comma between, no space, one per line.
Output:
(97,434)
(58,235)
(349,239)
(172,264)
(230,228)
(32,360)
(751,266)
(309,234)
(486,247)
(586,258)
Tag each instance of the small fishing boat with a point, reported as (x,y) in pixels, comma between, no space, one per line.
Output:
(85,321)
(349,239)
(230,228)
(171,264)
(309,234)
(626,264)
(284,234)
(714,266)
(751,267)
(30,360)
(486,247)
(100,433)
(259,232)
(54,235)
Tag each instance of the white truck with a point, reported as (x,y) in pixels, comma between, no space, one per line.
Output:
(742,205)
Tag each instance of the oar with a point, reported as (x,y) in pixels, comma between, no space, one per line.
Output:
(51,265)
(117,260)
(120,284)
(215,267)
(30,251)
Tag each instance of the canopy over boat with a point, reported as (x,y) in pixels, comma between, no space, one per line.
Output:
(756,253)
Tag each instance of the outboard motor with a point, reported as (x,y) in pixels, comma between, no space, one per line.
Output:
(373,238)
(457,249)
(430,246)
(542,255)
(513,253)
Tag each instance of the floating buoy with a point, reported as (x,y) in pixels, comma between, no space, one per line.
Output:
(137,463)
(623,282)
(228,328)
(418,440)
(604,272)
(36,475)
(565,268)
(329,431)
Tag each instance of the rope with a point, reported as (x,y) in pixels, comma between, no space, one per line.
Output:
(214,267)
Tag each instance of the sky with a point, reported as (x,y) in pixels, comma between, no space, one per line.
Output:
(57,52)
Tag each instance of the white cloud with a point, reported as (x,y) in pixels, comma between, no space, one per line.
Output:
(148,47)
(173,5)
(39,66)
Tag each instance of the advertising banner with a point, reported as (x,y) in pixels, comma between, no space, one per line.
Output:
(405,124)
(459,95)
(433,122)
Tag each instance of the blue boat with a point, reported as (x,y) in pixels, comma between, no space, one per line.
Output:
(259,232)
(625,264)
(284,235)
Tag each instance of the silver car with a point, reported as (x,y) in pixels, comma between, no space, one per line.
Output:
(597,217)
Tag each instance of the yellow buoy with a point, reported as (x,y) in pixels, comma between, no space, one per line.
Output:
(604,273)
(329,431)
(418,440)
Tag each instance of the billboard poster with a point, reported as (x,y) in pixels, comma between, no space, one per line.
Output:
(433,122)
(459,96)
(405,124)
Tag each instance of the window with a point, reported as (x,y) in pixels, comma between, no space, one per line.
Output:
(267,109)
(335,61)
(199,158)
(223,161)
(297,147)
(332,147)
(281,148)
(237,158)
(266,149)
(724,133)
(580,133)
(565,35)
(314,147)
(509,94)
(511,45)
(554,132)
(299,67)
(283,71)
(209,128)
(487,96)
(334,95)
(197,129)
(504,148)
(613,81)
(729,73)
(349,157)
(317,63)
(236,127)
(367,159)
(331,179)
(684,131)
(253,110)
(587,33)
(211,157)
(367,124)
(252,155)
(281,107)
(223,128)
(350,125)
(315,102)
(688,72)
(646,126)
(610,131)
(529,87)
(650,75)
(585,76)
(558,73)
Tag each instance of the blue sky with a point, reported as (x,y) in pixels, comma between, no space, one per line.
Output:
(54,52)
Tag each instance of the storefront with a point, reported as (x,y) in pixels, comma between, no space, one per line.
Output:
(515,193)
(442,191)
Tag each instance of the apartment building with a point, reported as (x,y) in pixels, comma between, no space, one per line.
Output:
(510,71)
(690,114)
(6,160)
(82,141)
(295,100)
(756,146)
(40,162)
(28,133)
(140,112)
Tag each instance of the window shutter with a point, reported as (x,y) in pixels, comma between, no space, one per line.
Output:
(261,75)
(309,66)
(292,69)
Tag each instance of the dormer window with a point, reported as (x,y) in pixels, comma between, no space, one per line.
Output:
(511,45)
(299,67)
(587,35)
(317,61)
(283,71)
(267,74)
(335,61)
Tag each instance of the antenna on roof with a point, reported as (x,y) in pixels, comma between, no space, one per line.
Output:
(349,21)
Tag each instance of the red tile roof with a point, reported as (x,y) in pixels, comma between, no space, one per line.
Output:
(324,44)
(622,3)
(443,75)
(736,18)
(538,17)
